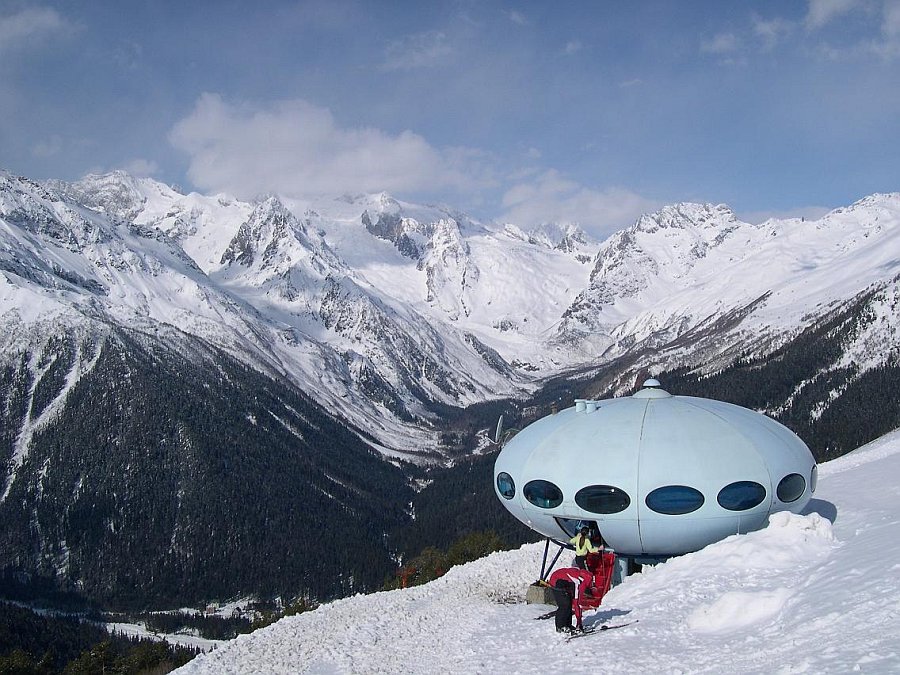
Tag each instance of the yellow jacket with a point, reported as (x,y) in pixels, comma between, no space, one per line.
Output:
(584,546)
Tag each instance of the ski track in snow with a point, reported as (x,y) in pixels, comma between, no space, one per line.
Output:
(801,596)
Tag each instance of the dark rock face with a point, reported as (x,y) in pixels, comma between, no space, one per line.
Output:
(389,226)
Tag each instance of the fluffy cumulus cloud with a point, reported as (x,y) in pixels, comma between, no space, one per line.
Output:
(29,26)
(891,25)
(723,43)
(551,197)
(821,12)
(296,148)
(835,29)
(771,31)
(518,18)
(141,167)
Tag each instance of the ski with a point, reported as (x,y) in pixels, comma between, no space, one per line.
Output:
(548,615)
(599,629)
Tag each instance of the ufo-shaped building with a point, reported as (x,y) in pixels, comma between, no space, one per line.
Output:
(656,474)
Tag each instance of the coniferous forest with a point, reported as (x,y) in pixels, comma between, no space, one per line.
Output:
(170,479)
(36,644)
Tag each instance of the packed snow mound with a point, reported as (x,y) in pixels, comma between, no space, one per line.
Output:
(817,592)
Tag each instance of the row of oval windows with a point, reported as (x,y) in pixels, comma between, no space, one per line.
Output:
(670,500)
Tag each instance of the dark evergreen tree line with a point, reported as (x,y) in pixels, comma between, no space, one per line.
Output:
(460,501)
(212,627)
(40,644)
(433,562)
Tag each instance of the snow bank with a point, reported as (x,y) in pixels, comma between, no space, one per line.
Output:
(880,448)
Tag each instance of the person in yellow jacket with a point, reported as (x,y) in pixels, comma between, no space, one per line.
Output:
(583,545)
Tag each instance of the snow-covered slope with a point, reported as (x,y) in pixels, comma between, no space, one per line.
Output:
(387,310)
(505,287)
(815,593)
(691,264)
(252,279)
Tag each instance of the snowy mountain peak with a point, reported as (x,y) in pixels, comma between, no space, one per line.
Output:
(118,194)
(406,234)
(566,237)
(378,202)
(386,202)
(875,203)
(668,242)
(425,289)
(16,190)
(264,234)
(686,215)
(32,207)
(890,199)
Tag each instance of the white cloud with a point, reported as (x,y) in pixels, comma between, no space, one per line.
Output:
(771,31)
(48,147)
(551,197)
(573,47)
(296,148)
(723,43)
(30,25)
(518,18)
(884,44)
(890,27)
(887,44)
(821,12)
(141,167)
(421,50)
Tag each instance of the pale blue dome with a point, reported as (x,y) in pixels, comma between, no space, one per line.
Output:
(659,474)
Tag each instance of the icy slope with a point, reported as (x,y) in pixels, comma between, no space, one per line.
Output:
(802,595)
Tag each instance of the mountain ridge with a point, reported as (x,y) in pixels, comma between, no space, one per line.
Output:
(495,308)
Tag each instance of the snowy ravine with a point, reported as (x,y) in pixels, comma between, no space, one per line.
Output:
(802,595)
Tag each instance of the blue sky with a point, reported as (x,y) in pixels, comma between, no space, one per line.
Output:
(523,111)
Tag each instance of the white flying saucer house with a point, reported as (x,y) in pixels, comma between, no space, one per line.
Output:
(658,475)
